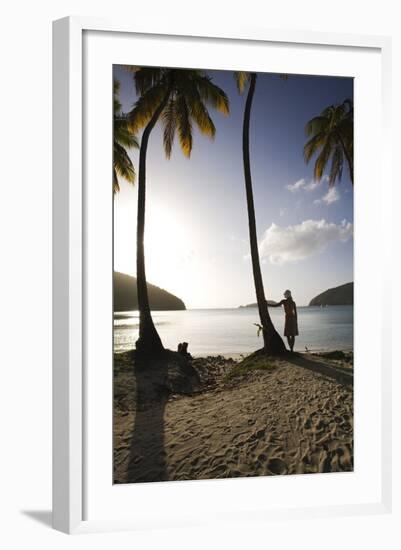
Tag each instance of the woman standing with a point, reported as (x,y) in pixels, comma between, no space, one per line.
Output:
(291,318)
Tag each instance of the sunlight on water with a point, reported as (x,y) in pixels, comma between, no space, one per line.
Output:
(231,331)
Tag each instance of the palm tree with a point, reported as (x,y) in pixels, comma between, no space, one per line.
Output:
(332,137)
(123,139)
(273,343)
(179,99)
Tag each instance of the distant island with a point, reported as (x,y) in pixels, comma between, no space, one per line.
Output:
(268,302)
(125,295)
(339,296)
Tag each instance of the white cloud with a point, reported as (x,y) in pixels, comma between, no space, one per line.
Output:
(297,242)
(293,187)
(306,185)
(331,196)
(312,185)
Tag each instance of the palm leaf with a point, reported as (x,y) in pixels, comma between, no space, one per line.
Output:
(322,160)
(313,145)
(331,136)
(147,78)
(122,163)
(123,135)
(145,106)
(169,120)
(116,185)
(337,163)
(201,116)
(184,127)
(122,138)
(242,79)
(213,95)
(316,125)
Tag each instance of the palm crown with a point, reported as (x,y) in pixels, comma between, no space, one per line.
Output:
(123,139)
(187,94)
(331,137)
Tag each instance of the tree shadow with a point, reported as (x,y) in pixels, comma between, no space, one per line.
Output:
(147,459)
(41,516)
(155,381)
(338,374)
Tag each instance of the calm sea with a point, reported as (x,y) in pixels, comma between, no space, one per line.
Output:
(232,332)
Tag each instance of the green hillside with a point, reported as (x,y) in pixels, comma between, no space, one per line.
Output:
(339,296)
(125,295)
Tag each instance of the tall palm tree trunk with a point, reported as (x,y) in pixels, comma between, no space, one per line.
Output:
(149,343)
(273,343)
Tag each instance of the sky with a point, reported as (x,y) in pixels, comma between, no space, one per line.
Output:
(196,235)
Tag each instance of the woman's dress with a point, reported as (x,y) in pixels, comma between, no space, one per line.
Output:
(291,321)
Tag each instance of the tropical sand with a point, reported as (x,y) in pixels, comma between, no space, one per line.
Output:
(216,417)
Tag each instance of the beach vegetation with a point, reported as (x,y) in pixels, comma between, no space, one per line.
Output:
(331,139)
(123,139)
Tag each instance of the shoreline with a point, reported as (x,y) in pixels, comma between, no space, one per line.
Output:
(232,333)
(238,356)
(214,417)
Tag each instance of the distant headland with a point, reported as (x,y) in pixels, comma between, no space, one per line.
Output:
(126,298)
(339,296)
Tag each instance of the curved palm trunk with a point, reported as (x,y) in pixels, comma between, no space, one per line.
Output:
(273,343)
(149,343)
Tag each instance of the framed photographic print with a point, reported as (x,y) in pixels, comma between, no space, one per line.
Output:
(220,345)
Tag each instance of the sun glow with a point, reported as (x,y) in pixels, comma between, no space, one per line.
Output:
(168,250)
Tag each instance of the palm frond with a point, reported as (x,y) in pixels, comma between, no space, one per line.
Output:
(116,185)
(184,127)
(147,78)
(313,145)
(190,91)
(144,108)
(322,161)
(122,163)
(202,118)
(123,138)
(316,125)
(123,135)
(213,95)
(169,121)
(116,101)
(241,79)
(332,136)
(337,163)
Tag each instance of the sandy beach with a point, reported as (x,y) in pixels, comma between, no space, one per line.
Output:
(217,417)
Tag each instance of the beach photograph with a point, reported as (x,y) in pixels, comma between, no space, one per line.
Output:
(233,274)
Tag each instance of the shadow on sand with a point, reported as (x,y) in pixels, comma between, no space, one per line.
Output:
(155,381)
(339,374)
(147,455)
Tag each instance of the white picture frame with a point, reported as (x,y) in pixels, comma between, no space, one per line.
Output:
(70,257)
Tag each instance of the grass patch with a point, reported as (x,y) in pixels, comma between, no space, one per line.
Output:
(249,365)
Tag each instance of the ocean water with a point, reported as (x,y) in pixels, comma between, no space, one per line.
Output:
(232,331)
